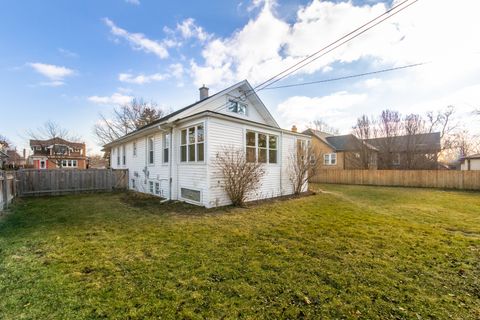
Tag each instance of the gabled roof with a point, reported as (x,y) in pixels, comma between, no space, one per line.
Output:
(13,155)
(250,92)
(425,142)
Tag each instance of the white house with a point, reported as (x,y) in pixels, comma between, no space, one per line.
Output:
(470,162)
(173,156)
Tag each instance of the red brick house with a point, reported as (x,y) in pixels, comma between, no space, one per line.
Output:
(58,153)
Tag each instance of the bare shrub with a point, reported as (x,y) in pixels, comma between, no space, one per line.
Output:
(240,177)
(303,164)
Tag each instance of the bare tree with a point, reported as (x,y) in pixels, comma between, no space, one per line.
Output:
(413,130)
(363,130)
(125,119)
(322,126)
(442,121)
(4,142)
(53,139)
(303,164)
(388,127)
(239,177)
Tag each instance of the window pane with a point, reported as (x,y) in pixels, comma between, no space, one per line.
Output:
(250,154)
(200,152)
(200,133)
(150,158)
(232,106)
(184,136)
(191,152)
(326,159)
(165,155)
(262,140)
(262,155)
(183,153)
(167,141)
(250,138)
(242,109)
(272,156)
(191,135)
(272,142)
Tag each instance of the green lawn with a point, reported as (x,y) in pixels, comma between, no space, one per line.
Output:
(352,252)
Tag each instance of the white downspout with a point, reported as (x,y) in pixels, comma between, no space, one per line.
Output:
(281,163)
(170,161)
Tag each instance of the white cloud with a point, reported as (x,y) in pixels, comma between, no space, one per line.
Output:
(55,83)
(138,41)
(68,53)
(135,2)
(189,29)
(267,44)
(176,70)
(141,78)
(114,99)
(52,72)
(301,110)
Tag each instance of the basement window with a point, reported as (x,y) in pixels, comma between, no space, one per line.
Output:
(190,194)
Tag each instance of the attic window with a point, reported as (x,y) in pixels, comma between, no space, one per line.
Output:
(237,107)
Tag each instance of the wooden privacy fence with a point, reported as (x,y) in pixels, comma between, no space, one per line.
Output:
(447,179)
(7,189)
(33,182)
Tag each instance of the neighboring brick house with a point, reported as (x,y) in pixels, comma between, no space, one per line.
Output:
(343,151)
(409,152)
(58,153)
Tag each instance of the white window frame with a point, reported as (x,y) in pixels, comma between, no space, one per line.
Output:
(117,151)
(134,185)
(190,200)
(235,103)
(134,151)
(157,188)
(151,186)
(43,164)
(166,147)
(124,155)
(196,144)
(151,150)
(396,159)
(267,148)
(330,159)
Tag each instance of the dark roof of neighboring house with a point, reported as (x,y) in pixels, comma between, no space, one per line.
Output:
(425,142)
(346,142)
(56,141)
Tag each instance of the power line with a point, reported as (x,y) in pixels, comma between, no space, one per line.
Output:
(298,66)
(335,47)
(332,43)
(345,77)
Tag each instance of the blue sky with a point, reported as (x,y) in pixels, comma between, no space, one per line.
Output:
(67,61)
